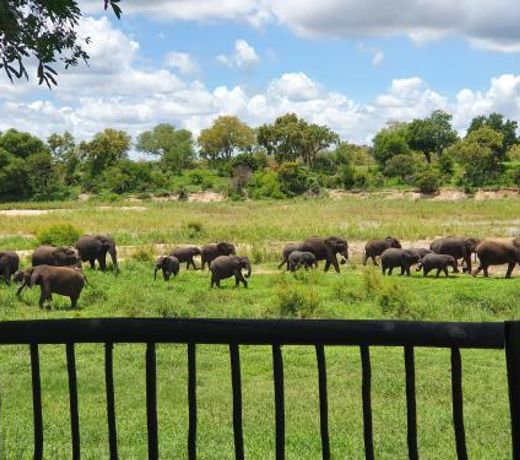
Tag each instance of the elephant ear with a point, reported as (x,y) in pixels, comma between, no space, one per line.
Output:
(35,277)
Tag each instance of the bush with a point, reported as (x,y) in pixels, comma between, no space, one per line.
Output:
(294,180)
(146,254)
(265,184)
(401,166)
(346,176)
(325,163)
(428,181)
(194,229)
(59,235)
(294,301)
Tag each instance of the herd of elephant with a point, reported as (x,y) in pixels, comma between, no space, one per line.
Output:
(57,270)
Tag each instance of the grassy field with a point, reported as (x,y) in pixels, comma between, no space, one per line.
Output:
(355,293)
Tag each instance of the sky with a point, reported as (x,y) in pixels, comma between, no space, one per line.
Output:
(349,64)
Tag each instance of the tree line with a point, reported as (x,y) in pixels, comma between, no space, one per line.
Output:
(285,158)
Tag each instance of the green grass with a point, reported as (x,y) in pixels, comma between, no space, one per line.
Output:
(355,293)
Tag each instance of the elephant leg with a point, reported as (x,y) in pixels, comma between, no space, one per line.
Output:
(74,301)
(446,272)
(408,271)
(102,263)
(21,288)
(213,281)
(335,264)
(438,273)
(403,270)
(193,263)
(166,274)
(486,273)
(383,269)
(239,277)
(478,270)
(375,261)
(425,271)
(456,267)
(284,261)
(92,263)
(7,276)
(203,264)
(391,270)
(327,265)
(467,263)
(510,268)
(365,258)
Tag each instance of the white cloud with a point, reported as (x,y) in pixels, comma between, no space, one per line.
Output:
(378,58)
(183,62)
(244,56)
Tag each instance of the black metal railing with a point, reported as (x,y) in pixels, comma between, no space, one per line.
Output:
(276,333)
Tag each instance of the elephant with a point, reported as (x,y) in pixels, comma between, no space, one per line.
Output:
(9,264)
(286,252)
(326,249)
(394,257)
(210,252)
(186,255)
(169,266)
(376,247)
(441,262)
(458,248)
(65,281)
(61,256)
(495,252)
(299,259)
(96,247)
(227,266)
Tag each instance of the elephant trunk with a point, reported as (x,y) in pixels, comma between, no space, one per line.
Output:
(248,267)
(155,272)
(113,256)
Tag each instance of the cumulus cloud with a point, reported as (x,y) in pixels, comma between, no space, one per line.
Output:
(183,62)
(244,56)
(130,97)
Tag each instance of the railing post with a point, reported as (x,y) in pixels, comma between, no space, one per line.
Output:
(512,336)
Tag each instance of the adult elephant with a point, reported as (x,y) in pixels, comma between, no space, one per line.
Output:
(375,248)
(60,256)
(495,252)
(94,248)
(65,281)
(286,252)
(326,248)
(186,255)
(227,266)
(210,252)
(9,264)
(458,247)
(394,257)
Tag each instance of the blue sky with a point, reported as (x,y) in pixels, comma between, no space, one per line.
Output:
(351,65)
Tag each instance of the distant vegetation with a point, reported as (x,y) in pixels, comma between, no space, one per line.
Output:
(286,158)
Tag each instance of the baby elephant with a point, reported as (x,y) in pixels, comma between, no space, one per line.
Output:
(299,259)
(227,266)
(169,266)
(441,262)
(9,263)
(402,258)
(65,281)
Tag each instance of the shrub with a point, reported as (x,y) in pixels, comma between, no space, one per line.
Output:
(146,254)
(293,178)
(194,229)
(246,160)
(428,181)
(264,184)
(59,235)
(296,302)
(346,176)
(401,166)
(325,163)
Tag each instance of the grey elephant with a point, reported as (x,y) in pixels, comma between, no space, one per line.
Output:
(227,266)
(375,248)
(186,255)
(299,259)
(61,256)
(169,265)
(497,252)
(9,264)
(210,252)
(326,248)
(421,252)
(65,281)
(94,248)
(394,257)
(286,252)
(433,261)
(458,247)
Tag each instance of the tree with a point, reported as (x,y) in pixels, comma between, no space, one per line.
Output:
(21,144)
(401,166)
(291,138)
(479,155)
(173,146)
(44,31)
(226,137)
(63,149)
(106,149)
(389,142)
(13,177)
(496,122)
(431,135)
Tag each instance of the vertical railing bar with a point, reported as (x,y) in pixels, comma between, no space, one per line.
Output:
(111,406)
(366,383)
(458,408)
(236,383)
(324,409)
(151,402)
(512,332)
(37,402)
(192,402)
(73,400)
(411,405)
(279,401)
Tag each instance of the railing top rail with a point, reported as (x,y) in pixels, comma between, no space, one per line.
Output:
(255,332)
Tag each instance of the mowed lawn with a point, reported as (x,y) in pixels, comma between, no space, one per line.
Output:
(357,293)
